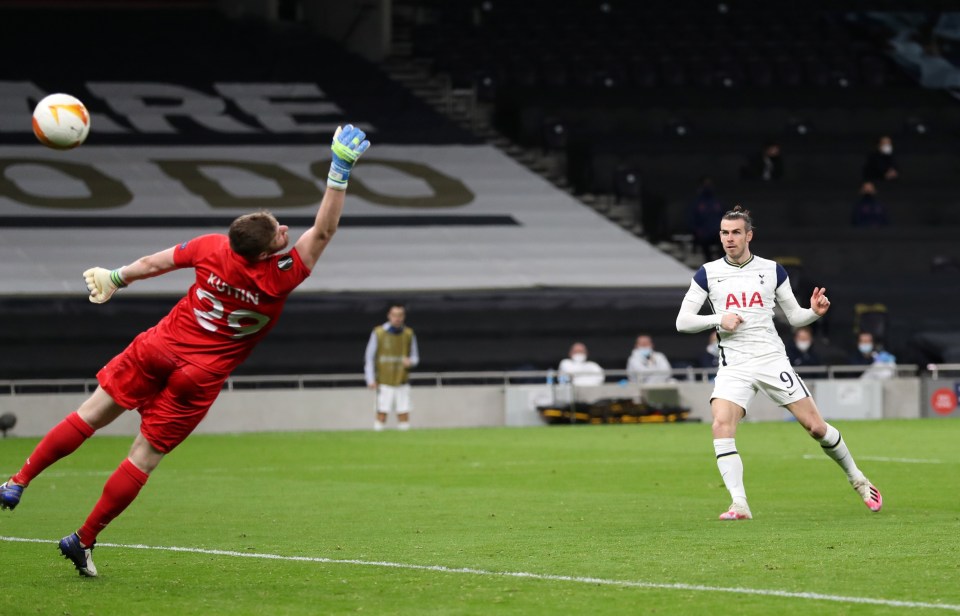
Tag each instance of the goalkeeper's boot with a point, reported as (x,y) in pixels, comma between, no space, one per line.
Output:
(80,556)
(737,512)
(868,492)
(10,494)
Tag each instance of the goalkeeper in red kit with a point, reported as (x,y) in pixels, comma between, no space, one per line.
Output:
(173,372)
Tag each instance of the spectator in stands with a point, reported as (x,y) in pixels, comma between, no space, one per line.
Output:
(704,216)
(646,366)
(865,350)
(868,211)
(882,365)
(800,350)
(880,164)
(710,358)
(391,353)
(578,370)
(766,165)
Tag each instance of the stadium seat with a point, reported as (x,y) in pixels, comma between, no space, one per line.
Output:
(795,272)
(627,184)
(945,264)
(871,318)
(789,72)
(554,134)
(759,72)
(873,71)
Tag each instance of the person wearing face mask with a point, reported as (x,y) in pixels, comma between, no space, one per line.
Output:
(578,370)
(646,366)
(710,358)
(880,164)
(865,350)
(800,351)
(882,365)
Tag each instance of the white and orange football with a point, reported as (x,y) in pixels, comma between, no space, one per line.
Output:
(61,122)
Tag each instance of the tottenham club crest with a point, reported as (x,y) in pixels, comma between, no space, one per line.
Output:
(285,263)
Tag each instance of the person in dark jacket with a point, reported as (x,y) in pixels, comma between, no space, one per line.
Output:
(868,211)
(766,165)
(800,350)
(880,165)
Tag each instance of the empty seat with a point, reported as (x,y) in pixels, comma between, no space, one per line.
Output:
(872,319)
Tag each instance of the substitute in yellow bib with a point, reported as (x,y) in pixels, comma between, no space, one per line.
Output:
(391,353)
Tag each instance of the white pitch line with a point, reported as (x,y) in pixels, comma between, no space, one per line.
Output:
(810,456)
(526,575)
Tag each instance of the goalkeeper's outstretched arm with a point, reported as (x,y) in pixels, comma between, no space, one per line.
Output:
(103,283)
(349,143)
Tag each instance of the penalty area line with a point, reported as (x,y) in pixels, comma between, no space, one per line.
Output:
(523,575)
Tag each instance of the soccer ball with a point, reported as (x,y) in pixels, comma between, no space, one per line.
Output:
(61,122)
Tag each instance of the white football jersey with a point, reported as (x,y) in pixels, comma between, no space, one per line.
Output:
(750,291)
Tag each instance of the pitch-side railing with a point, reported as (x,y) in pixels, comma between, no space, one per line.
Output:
(450,379)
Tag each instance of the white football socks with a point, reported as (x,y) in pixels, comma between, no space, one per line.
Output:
(731,468)
(833,445)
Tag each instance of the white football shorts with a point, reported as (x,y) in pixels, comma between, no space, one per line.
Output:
(393,398)
(776,379)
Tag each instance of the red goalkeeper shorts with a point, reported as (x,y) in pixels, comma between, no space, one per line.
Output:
(171,395)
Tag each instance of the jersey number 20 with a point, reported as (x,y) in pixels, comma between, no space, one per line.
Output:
(207,318)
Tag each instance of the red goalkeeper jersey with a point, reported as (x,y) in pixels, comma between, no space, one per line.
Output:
(231,306)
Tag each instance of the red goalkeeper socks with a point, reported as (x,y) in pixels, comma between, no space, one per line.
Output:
(119,491)
(62,440)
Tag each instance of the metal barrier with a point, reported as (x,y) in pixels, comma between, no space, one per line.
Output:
(450,379)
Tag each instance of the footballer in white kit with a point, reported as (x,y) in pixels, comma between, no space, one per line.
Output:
(752,355)
(741,290)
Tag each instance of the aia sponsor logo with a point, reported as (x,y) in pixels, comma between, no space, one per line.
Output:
(743,302)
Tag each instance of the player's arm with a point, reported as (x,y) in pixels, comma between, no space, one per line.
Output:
(689,320)
(349,143)
(370,360)
(797,316)
(103,283)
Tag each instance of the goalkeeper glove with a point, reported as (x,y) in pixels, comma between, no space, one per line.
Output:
(349,142)
(102,283)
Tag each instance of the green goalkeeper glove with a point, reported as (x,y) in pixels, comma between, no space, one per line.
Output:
(102,283)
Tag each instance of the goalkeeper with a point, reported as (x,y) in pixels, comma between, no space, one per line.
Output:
(174,371)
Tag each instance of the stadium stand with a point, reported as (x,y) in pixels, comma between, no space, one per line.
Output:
(673,91)
(635,100)
(233,118)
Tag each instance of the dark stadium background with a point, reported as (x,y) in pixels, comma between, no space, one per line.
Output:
(624,104)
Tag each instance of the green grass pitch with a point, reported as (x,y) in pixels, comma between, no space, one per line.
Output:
(603,519)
